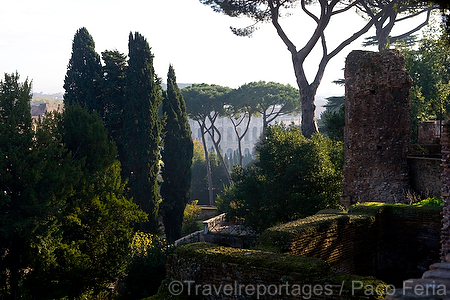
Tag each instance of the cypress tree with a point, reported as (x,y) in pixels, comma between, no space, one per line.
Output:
(82,83)
(142,129)
(15,198)
(177,158)
(114,79)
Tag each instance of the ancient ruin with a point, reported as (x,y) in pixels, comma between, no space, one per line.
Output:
(377,130)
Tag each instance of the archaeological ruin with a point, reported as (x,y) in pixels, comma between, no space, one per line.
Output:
(377,130)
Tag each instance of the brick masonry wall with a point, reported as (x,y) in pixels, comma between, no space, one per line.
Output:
(377,127)
(392,243)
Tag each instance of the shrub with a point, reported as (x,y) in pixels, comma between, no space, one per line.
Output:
(191,213)
(145,266)
(293,177)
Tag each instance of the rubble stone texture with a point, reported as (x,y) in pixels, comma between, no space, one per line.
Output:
(377,127)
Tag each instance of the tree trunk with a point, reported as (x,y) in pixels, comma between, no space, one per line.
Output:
(240,137)
(309,125)
(222,161)
(208,166)
(307,94)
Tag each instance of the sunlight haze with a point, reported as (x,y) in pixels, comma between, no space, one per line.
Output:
(36,40)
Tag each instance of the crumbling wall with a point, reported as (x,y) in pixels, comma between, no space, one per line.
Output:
(391,242)
(377,127)
(207,271)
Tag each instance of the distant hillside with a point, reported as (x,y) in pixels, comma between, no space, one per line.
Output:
(57,98)
(39,98)
(180,85)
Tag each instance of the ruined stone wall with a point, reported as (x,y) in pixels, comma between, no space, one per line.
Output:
(377,127)
(391,242)
(207,271)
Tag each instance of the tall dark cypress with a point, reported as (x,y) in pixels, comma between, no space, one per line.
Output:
(82,83)
(142,129)
(114,79)
(177,158)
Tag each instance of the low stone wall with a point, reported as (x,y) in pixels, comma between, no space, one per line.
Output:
(390,242)
(194,237)
(207,271)
(212,223)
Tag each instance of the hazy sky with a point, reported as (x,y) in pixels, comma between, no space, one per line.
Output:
(36,39)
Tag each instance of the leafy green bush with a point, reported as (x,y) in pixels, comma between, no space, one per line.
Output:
(191,213)
(145,266)
(293,177)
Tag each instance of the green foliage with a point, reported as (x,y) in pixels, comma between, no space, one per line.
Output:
(191,213)
(205,103)
(97,219)
(177,157)
(234,159)
(113,94)
(82,83)
(429,202)
(203,99)
(64,214)
(254,258)
(333,123)
(27,223)
(142,130)
(293,177)
(199,182)
(145,267)
(267,99)
(429,65)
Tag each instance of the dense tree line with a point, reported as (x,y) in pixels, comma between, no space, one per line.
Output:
(68,205)
(66,220)
(127,95)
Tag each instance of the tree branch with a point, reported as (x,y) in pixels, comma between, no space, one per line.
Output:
(404,35)
(428,9)
(357,34)
(346,8)
(274,12)
(310,14)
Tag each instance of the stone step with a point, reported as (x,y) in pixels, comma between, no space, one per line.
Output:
(424,288)
(440,266)
(437,274)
